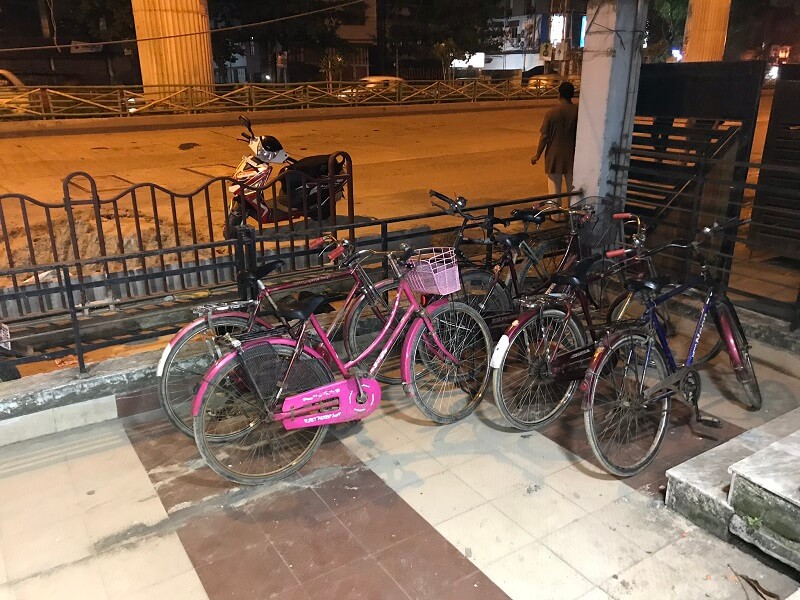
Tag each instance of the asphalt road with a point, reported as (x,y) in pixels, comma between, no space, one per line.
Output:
(483,156)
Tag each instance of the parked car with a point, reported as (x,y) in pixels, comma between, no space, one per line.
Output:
(12,100)
(370,85)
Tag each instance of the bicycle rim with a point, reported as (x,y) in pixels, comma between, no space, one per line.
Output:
(525,391)
(233,428)
(187,363)
(444,391)
(625,431)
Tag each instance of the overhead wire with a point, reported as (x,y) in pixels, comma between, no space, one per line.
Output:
(180,35)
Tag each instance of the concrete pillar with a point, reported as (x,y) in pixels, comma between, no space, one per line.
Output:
(176,61)
(706,30)
(609,86)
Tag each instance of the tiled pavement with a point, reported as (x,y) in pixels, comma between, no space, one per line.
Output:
(394,507)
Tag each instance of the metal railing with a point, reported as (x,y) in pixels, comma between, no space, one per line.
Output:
(19,103)
(145,255)
(682,191)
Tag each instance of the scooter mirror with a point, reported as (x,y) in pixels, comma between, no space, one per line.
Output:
(247,124)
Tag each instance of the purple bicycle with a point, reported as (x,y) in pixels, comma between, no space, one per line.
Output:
(263,409)
(634,375)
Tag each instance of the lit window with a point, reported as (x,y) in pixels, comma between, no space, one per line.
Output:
(556,29)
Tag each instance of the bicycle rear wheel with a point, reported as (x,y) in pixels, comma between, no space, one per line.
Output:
(188,359)
(624,429)
(525,391)
(444,391)
(730,330)
(234,430)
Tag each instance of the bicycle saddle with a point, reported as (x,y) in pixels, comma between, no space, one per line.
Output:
(298,310)
(267,268)
(655,284)
(510,240)
(529,215)
(575,276)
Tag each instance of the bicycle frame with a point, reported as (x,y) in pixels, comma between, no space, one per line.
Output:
(414,310)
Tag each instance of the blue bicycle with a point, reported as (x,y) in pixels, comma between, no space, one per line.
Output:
(634,375)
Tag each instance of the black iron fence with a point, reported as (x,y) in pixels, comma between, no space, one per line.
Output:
(90,272)
(682,177)
(18,103)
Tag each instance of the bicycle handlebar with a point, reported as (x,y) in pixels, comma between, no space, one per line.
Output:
(706,233)
(454,207)
(618,252)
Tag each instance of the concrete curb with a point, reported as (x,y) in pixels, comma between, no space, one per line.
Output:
(51,402)
(14,129)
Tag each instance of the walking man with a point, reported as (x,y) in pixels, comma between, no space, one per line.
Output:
(557,142)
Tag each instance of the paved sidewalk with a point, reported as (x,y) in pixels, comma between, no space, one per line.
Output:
(394,507)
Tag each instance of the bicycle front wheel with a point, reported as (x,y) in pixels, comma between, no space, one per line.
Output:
(730,330)
(188,359)
(525,390)
(443,390)
(625,430)
(234,429)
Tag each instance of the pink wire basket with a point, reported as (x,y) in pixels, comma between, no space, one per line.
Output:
(434,271)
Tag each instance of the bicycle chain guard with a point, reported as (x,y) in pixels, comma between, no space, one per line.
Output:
(336,402)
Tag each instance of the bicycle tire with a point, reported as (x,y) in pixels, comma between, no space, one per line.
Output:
(606,389)
(534,275)
(464,333)
(738,352)
(233,455)
(517,398)
(361,331)
(176,394)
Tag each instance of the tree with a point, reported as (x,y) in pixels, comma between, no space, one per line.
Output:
(665,28)
(418,29)
(447,51)
(313,31)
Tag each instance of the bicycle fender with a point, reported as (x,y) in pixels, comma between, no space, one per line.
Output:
(603,348)
(418,323)
(532,313)
(185,329)
(725,330)
(224,360)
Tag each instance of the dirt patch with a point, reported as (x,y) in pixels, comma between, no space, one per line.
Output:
(119,240)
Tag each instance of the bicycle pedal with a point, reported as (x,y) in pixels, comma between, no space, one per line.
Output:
(713,422)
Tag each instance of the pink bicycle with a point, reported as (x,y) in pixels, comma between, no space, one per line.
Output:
(263,409)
